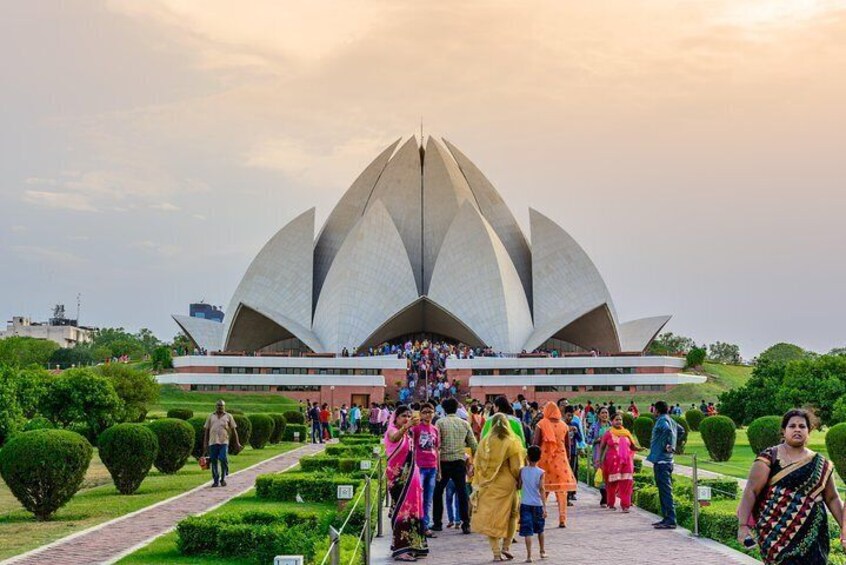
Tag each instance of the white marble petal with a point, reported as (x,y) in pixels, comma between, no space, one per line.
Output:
(206,334)
(369,282)
(636,335)
(475,280)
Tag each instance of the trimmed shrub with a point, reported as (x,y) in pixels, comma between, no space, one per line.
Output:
(176,441)
(291,428)
(360,440)
(643,430)
(722,489)
(38,423)
(279,424)
(235,411)
(718,433)
(245,431)
(198,423)
(694,417)
(180,413)
(682,442)
(360,451)
(764,432)
(835,444)
(312,487)
(45,468)
(262,427)
(294,417)
(320,463)
(628,421)
(128,452)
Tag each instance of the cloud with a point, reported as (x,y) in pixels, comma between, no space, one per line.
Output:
(165,207)
(62,200)
(161,249)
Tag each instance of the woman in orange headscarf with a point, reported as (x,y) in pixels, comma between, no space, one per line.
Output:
(551,436)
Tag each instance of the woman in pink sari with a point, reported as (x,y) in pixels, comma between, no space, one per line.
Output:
(406,489)
(617,460)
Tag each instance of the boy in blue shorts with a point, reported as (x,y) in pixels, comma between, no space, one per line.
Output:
(533,502)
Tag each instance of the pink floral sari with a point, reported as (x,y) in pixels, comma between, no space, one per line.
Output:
(406,491)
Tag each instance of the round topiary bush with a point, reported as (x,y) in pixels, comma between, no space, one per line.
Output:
(718,434)
(694,417)
(291,429)
(294,417)
(681,441)
(180,413)
(835,444)
(643,430)
(176,440)
(198,423)
(45,468)
(262,427)
(245,431)
(628,421)
(279,424)
(38,423)
(128,452)
(764,432)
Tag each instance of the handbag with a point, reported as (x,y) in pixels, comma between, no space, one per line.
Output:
(598,478)
(204,463)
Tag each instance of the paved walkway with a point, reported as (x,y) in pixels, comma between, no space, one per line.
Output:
(108,542)
(593,535)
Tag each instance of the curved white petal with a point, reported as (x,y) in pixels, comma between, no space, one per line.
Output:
(369,281)
(206,334)
(636,335)
(475,280)
(280,277)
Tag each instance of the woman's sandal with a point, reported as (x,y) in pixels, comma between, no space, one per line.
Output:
(543,555)
(507,555)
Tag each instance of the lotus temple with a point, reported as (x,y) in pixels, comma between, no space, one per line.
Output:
(423,247)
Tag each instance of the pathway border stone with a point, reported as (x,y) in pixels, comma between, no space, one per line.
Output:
(113,540)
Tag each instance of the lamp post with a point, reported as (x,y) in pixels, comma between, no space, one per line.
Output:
(332,398)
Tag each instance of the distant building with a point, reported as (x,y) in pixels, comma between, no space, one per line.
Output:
(63,331)
(205,311)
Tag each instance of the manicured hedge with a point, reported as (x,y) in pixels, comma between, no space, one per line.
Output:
(279,424)
(718,434)
(764,432)
(681,443)
(262,427)
(45,468)
(323,463)
(198,423)
(128,452)
(245,431)
(694,417)
(835,444)
(643,430)
(291,428)
(180,413)
(360,439)
(294,417)
(176,441)
(349,450)
(312,487)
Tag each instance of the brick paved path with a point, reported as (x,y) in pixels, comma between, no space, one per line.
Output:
(593,535)
(112,540)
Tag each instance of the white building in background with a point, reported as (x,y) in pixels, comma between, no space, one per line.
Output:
(63,332)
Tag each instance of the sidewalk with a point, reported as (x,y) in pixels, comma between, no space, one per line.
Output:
(108,542)
(593,535)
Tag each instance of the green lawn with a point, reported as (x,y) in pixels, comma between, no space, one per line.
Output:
(19,532)
(720,379)
(164,551)
(203,403)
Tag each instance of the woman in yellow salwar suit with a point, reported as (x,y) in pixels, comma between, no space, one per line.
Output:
(496,507)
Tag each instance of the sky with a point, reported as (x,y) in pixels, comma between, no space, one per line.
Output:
(148,149)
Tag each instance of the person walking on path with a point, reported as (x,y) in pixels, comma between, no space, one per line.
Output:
(355,417)
(456,435)
(532,502)
(325,416)
(502,406)
(577,443)
(495,505)
(375,414)
(314,418)
(405,488)
(551,436)
(785,499)
(219,426)
(427,443)
(597,430)
(661,449)
(618,448)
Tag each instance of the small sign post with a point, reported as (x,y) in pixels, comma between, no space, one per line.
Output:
(296,436)
(288,560)
(345,492)
(703,494)
(366,464)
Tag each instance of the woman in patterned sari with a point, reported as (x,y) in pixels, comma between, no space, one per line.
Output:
(406,489)
(785,499)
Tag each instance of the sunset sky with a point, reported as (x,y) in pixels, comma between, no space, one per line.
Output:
(696,150)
